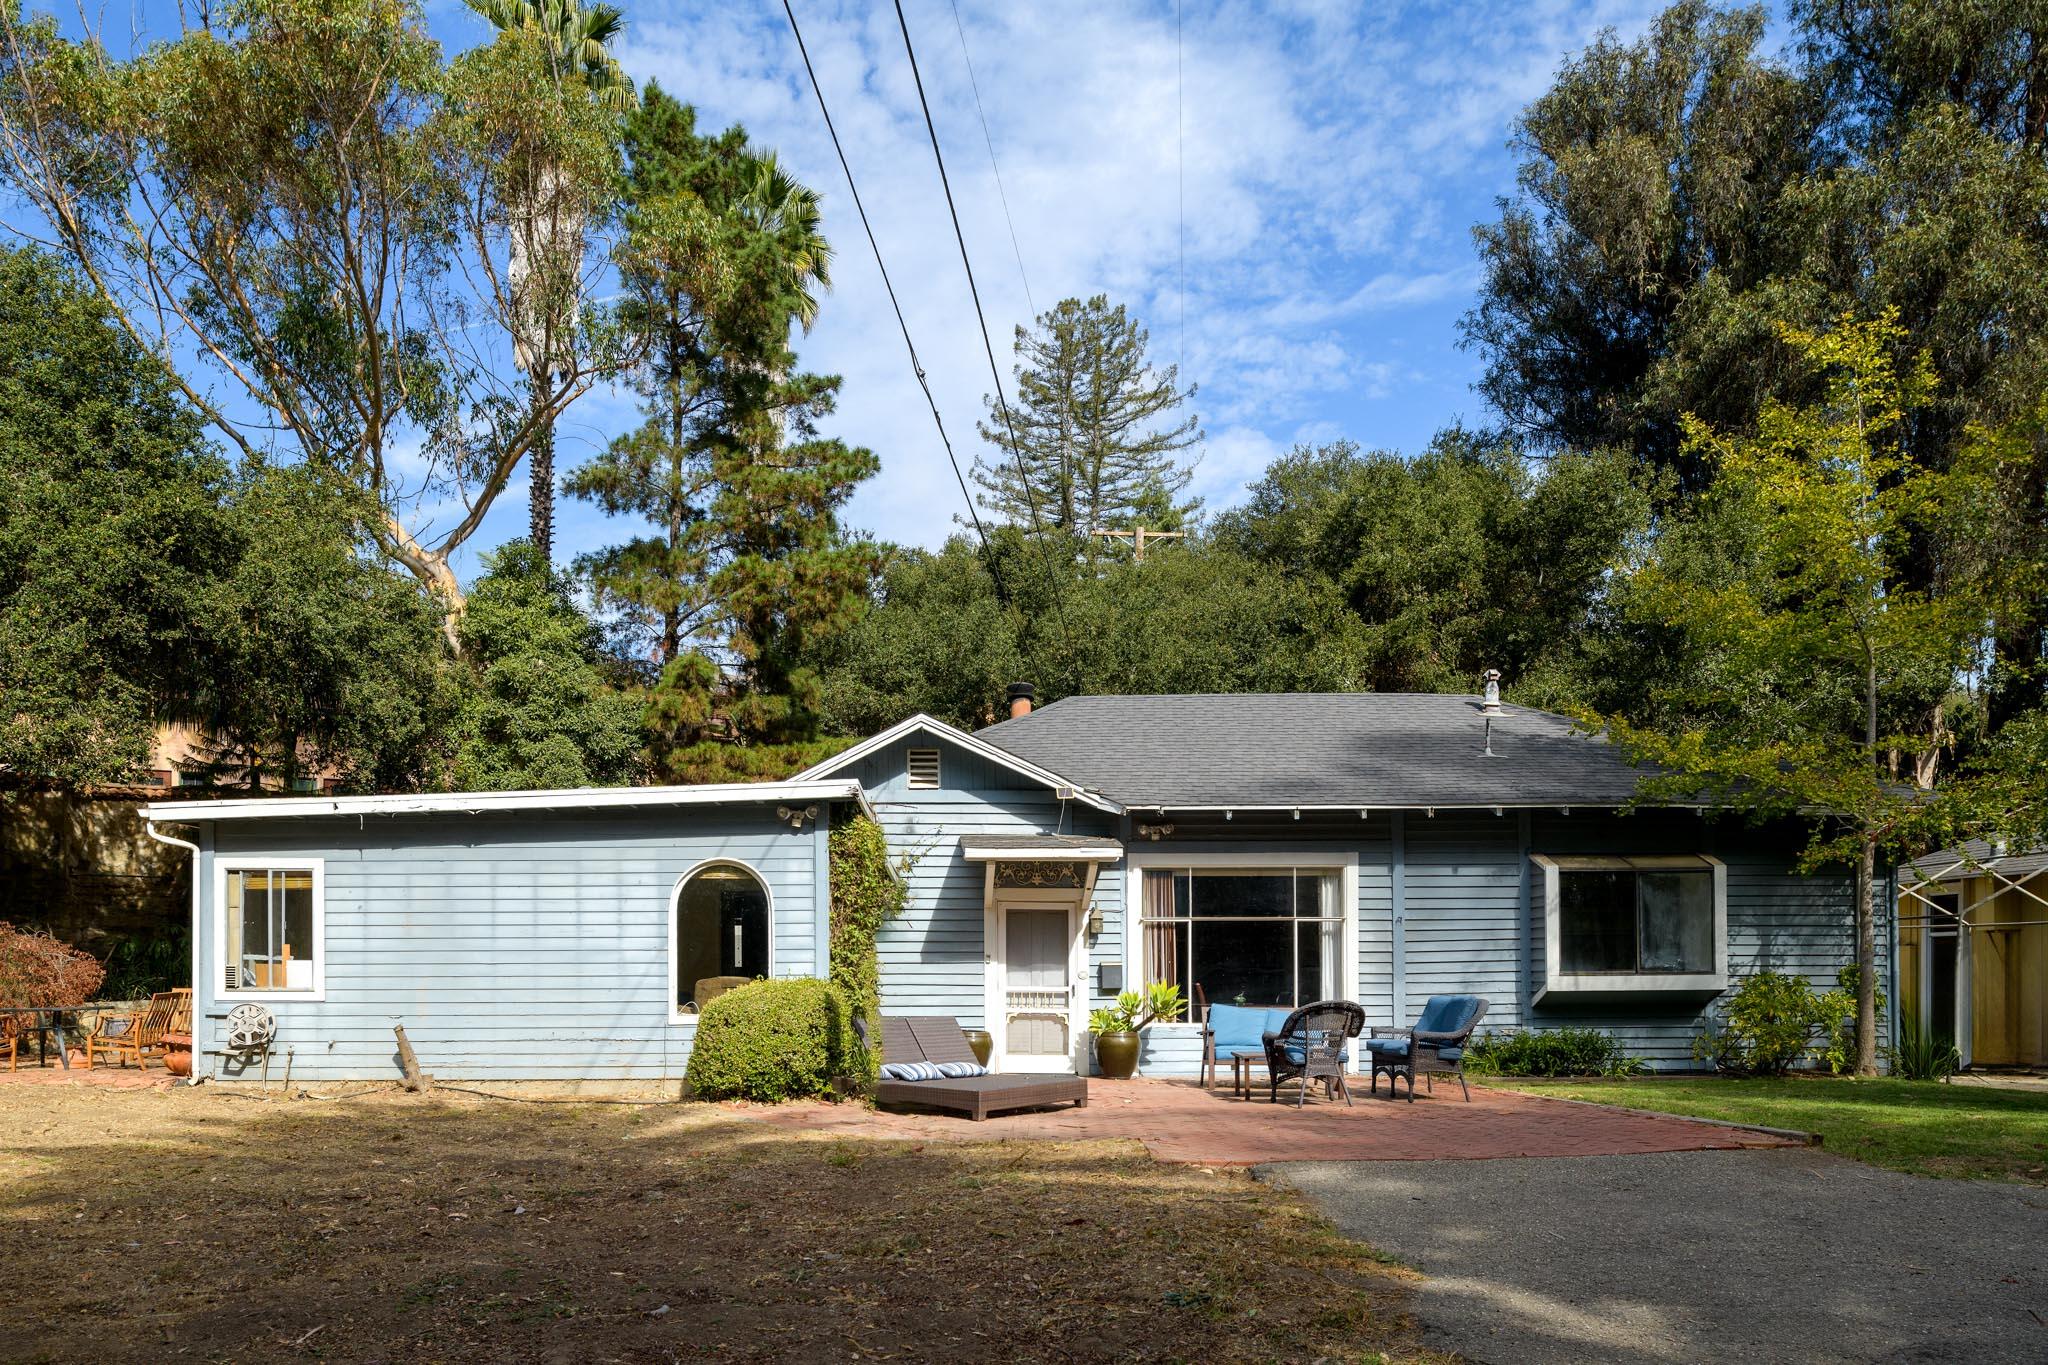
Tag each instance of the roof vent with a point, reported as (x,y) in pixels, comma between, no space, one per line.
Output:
(923,770)
(1489,704)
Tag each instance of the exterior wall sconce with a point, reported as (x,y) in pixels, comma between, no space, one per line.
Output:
(796,815)
(1154,832)
(1094,923)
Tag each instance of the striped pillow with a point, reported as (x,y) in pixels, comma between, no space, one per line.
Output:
(911,1071)
(955,1070)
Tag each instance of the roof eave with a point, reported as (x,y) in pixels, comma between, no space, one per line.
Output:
(974,745)
(485,803)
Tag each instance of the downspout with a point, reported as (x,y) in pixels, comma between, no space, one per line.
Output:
(149,828)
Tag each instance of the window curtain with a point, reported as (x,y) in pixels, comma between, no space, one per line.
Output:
(1162,935)
(1332,931)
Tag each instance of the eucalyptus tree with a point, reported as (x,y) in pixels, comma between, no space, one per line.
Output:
(573,46)
(311,216)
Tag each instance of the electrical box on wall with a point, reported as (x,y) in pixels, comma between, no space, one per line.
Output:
(1111,976)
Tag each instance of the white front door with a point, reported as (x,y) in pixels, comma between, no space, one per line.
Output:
(1037,1029)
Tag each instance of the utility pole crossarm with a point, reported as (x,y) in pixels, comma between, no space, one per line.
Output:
(1139,537)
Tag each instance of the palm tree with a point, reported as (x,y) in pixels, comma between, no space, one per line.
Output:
(575,41)
(787,212)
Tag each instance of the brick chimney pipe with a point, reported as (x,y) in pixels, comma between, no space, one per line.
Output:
(1020,695)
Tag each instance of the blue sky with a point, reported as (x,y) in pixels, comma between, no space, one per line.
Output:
(1335,157)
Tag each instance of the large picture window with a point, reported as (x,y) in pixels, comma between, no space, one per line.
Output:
(1263,936)
(270,928)
(1634,923)
(721,932)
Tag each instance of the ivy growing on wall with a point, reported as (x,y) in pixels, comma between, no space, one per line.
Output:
(866,895)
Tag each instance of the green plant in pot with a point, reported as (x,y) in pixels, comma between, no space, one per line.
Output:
(1116,1027)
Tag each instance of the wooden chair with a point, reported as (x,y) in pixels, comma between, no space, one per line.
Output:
(138,1032)
(10,1037)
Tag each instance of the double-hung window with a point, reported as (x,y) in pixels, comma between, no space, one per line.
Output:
(271,926)
(1634,923)
(1271,936)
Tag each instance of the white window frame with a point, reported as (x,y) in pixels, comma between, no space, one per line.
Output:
(1138,859)
(222,866)
(676,1013)
(1555,979)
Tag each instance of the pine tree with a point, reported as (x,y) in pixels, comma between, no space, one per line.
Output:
(745,559)
(1096,440)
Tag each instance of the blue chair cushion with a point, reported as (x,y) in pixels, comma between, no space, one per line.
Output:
(1449,1054)
(1243,1028)
(1387,1047)
(1295,1053)
(1447,1014)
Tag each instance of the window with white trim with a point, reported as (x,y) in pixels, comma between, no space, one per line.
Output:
(721,932)
(271,924)
(1271,936)
(1635,923)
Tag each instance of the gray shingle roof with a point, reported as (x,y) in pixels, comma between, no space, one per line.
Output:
(1317,749)
(1976,855)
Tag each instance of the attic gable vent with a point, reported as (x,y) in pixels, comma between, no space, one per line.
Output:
(924,769)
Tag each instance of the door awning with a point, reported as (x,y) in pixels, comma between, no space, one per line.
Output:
(1020,848)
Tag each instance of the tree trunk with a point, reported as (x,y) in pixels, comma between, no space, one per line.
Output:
(540,496)
(1866,960)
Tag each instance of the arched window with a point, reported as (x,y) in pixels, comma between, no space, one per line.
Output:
(721,932)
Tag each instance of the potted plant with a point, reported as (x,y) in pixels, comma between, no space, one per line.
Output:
(1116,1028)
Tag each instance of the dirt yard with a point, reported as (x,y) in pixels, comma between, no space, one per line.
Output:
(166,1224)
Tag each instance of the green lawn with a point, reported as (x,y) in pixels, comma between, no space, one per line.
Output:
(1971,1131)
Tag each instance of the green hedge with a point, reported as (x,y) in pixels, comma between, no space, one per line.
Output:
(775,1040)
(1550,1052)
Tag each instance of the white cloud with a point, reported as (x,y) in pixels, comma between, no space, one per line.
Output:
(1334,158)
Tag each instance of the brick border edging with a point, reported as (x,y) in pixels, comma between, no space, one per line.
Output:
(1798,1135)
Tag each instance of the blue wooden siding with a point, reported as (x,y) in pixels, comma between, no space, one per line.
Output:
(519,946)
(1472,916)
(932,956)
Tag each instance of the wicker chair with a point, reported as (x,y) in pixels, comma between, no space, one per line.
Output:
(1312,1046)
(1436,1043)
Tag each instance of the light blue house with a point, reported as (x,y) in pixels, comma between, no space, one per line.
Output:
(1270,848)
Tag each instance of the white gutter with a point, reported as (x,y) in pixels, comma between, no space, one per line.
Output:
(480,803)
(149,828)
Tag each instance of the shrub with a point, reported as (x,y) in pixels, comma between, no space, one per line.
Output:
(1551,1052)
(38,969)
(1838,1020)
(1770,1024)
(775,1040)
(1924,1055)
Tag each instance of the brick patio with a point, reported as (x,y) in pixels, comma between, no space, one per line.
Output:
(105,1076)
(1180,1121)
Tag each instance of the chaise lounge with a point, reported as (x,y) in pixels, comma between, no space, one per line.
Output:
(936,1039)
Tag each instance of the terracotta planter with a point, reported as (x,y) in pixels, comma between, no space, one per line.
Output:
(1117,1055)
(983,1043)
(178,1053)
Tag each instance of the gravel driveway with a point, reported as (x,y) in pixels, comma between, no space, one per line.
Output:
(1787,1255)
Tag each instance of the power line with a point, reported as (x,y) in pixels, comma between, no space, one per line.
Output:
(987,346)
(1180,156)
(975,86)
(916,365)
